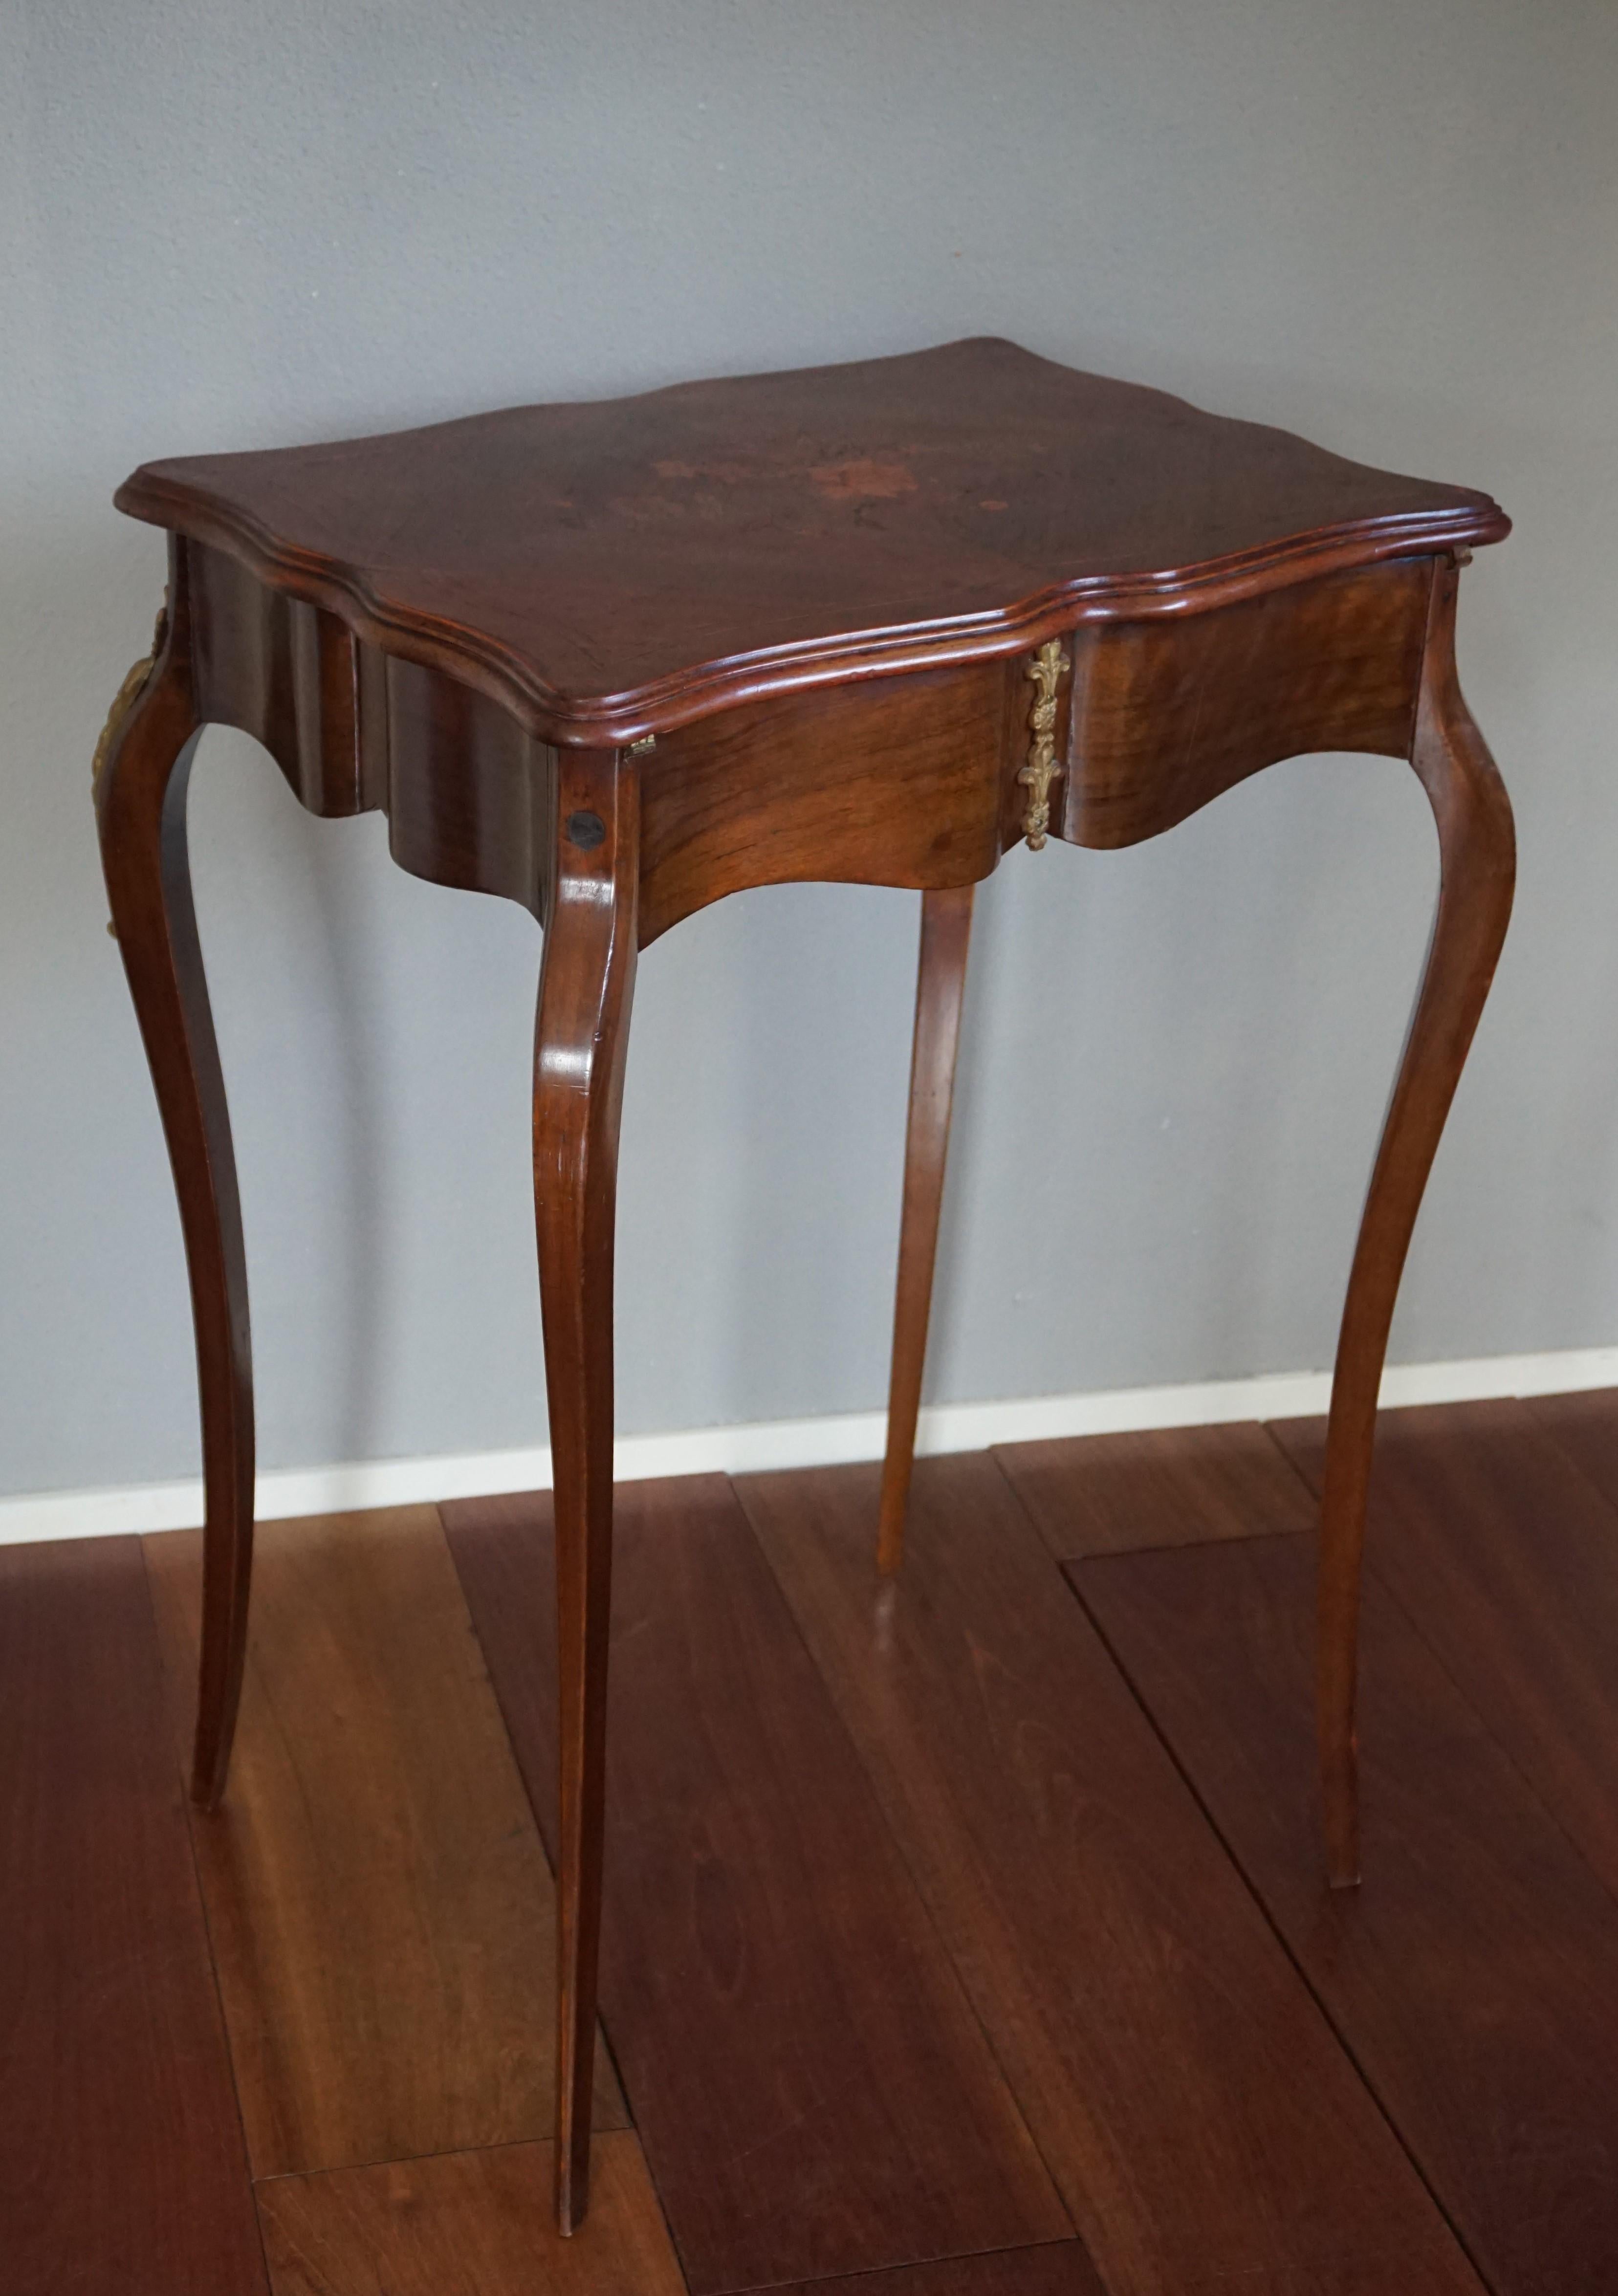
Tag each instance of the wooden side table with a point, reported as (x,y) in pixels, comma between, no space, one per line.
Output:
(876,622)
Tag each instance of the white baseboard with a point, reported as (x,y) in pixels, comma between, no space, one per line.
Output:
(797,1443)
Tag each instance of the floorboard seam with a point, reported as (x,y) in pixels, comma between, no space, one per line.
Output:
(1341,2037)
(926,1903)
(924,2264)
(544,1851)
(493,1688)
(1524,1776)
(213,1961)
(1127,1679)
(1293,1469)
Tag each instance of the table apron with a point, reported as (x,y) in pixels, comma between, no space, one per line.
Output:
(921,780)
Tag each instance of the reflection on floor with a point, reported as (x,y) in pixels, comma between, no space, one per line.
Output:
(966,1938)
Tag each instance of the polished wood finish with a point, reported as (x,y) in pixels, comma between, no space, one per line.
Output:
(812,2090)
(1477,863)
(1475,1977)
(380,1905)
(1098,1928)
(140,803)
(1171,1487)
(121,2163)
(1470,1978)
(616,661)
(1057,2268)
(895,783)
(1166,715)
(940,987)
(1506,1560)
(467,792)
(1060,2269)
(1584,1428)
(613,570)
(467,2224)
(581,1038)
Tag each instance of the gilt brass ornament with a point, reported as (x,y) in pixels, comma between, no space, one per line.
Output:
(1045,670)
(127,693)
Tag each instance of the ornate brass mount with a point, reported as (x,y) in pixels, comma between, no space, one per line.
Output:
(1045,670)
(127,696)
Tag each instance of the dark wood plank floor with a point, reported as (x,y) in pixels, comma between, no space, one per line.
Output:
(756,1891)
(121,2159)
(467,2224)
(1492,1537)
(1205,2127)
(965,1937)
(378,1897)
(1473,1971)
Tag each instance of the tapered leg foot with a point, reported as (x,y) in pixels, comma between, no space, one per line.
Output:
(940,984)
(143,768)
(1477,867)
(581,1039)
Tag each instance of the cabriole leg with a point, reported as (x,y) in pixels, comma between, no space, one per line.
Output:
(1477,867)
(585,989)
(940,983)
(142,768)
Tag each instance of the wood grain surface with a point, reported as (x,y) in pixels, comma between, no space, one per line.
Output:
(1187,2094)
(1506,1559)
(611,569)
(941,988)
(1476,876)
(1168,714)
(1168,1487)
(813,2093)
(380,1903)
(141,777)
(1056,2267)
(1062,2269)
(122,2161)
(784,610)
(798,2029)
(1474,1974)
(891,782)
(1585,1429)
(467,2224)
(581,1033)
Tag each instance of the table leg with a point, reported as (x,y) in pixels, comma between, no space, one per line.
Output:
(581,1036)
(1477,867)
(143,771)
(940,983)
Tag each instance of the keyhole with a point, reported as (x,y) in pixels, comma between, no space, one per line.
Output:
(585,830)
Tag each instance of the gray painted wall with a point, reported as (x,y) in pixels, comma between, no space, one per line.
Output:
(1390,224)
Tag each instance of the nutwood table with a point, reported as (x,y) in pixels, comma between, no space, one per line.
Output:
(874,622)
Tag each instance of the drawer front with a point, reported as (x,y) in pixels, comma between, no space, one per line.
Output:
(1166,714)
(894,781)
